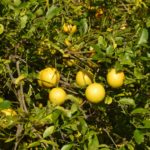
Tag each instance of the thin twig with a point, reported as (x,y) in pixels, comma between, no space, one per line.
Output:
(111,138)
(20,91)
(18,135)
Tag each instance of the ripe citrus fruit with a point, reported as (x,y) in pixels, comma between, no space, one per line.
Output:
(82,79)
(95,92)
(57,96)
(48,77)
(115,79)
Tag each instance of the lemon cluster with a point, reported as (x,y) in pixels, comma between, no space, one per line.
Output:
(95,92)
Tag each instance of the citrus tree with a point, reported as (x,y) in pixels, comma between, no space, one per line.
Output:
(75,74)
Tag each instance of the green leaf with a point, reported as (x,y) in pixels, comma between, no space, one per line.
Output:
(103,147)
(83,126)
(1,28)
(130,146)
(5,104)
(83,26)
(1,99)
(102,42)
(52,11)
(125,59)
(34,144)
(93,143)
(67,147)
(10,139)
(74,108)
(49,142)
(23,21)
(108,100)
(110,50)
(138,73)
(141,111)
(148,22)
(17,2)
(144,37)
(146,123)
(48,131)
(127,101)
(138,136)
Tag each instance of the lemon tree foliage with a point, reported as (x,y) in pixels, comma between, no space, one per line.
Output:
(92,36)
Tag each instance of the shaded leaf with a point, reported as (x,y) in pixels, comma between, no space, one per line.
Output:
(10,139)
(83,125)
(146,123)
(141,111)
(127,101)
(5,104)
(110,50)
(144,37)
(83,26)
(138,136)
(102,42)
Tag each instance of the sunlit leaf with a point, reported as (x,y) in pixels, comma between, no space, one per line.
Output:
(67,147)
(93,143)
(17,2)
(108,100)
(52,12)
(48,131)
(34,144)
(23,21)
